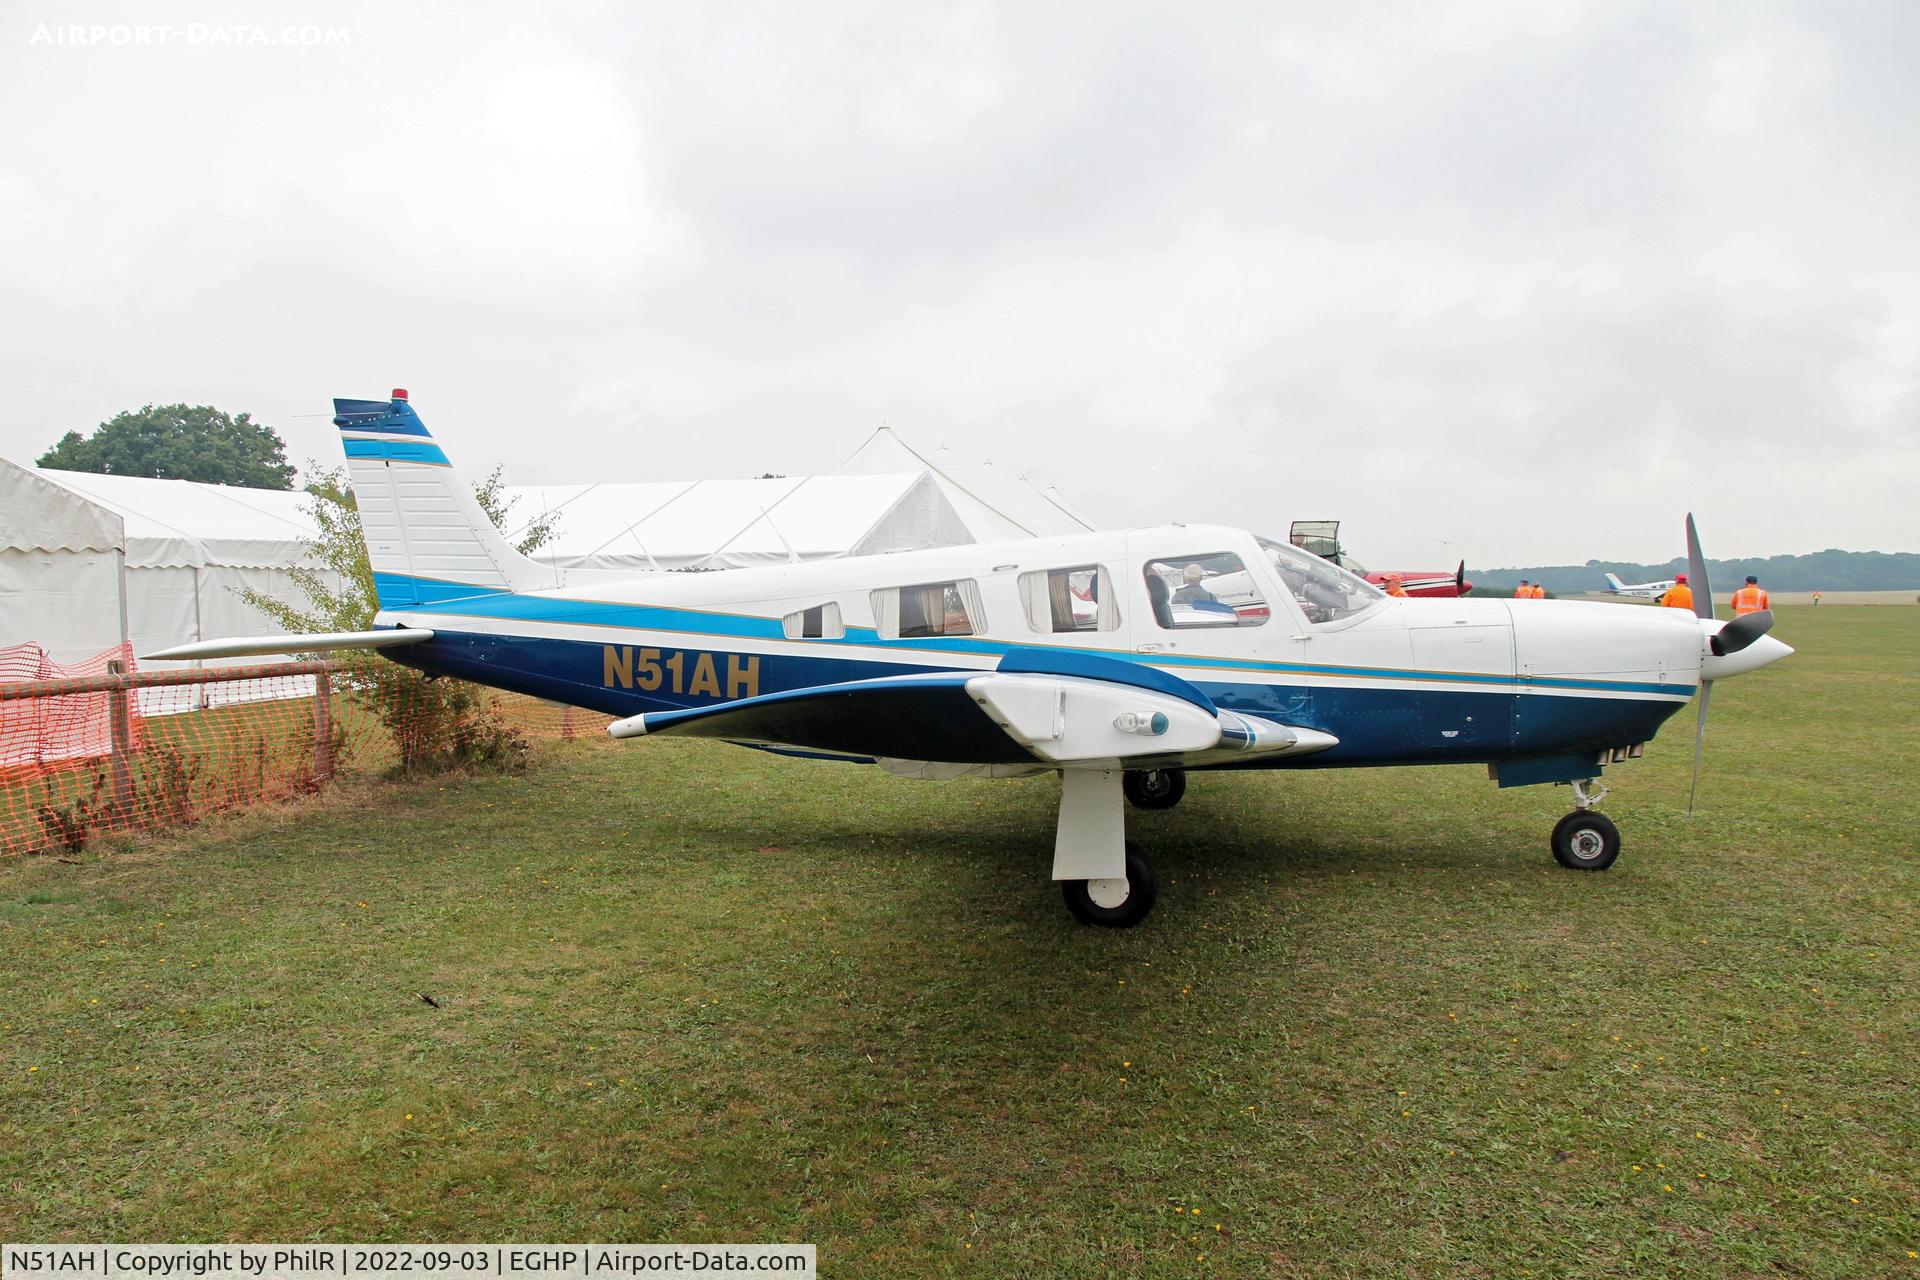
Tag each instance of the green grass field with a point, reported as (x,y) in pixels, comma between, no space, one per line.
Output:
(689,992)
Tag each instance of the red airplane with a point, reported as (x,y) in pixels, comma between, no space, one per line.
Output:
(1322,538)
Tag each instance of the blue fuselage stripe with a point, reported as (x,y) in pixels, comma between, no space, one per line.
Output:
(479,602)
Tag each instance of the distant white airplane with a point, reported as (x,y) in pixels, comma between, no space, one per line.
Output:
(1639,590)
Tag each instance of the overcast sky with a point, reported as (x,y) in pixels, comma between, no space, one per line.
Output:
(1522,282)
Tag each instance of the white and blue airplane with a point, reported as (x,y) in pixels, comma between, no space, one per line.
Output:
(1638,590)
(1119,660)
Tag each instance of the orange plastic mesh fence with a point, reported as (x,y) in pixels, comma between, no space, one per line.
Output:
(96,747)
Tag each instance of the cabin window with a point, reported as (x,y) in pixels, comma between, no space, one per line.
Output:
(822,622)
(1325,591)
(1076,599)
(928,609)
(1212,590)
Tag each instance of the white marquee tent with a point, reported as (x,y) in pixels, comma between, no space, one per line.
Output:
(87,560)
(732,524)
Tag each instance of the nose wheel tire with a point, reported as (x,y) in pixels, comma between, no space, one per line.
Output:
(1586,841)
(1154,788)
(1118,903)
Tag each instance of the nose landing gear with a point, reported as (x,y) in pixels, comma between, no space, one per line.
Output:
(1586,839)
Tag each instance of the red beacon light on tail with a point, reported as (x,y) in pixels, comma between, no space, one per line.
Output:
(399,393)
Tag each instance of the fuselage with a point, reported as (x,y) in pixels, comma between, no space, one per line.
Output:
(1262,633)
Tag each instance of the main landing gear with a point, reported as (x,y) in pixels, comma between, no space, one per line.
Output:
(1114,902)
(1154,788)
(1103,877)
(1586,839)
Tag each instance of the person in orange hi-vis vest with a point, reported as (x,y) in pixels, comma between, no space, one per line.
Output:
(1750,598)
(1394,587)
(1525,590)
(1679,595)
(1539,592)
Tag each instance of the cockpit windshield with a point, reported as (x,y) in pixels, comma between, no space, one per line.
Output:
(1325,591)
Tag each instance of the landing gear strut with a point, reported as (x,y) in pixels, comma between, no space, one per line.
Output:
(1586,839)
(1155,788)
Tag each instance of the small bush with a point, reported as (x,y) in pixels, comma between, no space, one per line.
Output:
(69,826)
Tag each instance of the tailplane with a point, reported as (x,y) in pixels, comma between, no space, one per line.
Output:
(426,535)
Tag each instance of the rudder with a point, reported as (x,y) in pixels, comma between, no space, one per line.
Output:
(427,537)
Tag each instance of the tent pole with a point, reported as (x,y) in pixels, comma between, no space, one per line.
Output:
(120,565)
(199,633)
(120,717)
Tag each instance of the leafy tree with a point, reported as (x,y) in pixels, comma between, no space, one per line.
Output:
(179,442)
(491,495)
(437,724)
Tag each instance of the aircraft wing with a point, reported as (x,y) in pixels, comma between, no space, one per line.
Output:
(1062,710)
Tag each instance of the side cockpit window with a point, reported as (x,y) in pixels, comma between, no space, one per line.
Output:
(928,609)
(1064,600)
(822,622)
(1213,590)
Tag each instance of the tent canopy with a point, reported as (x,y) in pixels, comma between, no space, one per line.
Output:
(725,524)
(183,524)
(994,506)
(37,514)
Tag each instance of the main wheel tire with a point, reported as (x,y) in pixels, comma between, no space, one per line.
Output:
(1586,841)
(1154,788)
(1114,904)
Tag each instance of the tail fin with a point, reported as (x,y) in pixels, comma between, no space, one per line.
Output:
(1615,583)
(426,535)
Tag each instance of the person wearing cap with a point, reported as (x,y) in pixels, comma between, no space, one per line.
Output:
(1395,587)
(1525,591)
(1679,595)
(1750,598)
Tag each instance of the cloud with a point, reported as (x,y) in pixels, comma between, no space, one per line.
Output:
(1518,281)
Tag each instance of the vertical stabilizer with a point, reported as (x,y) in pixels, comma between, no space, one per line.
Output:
(426,535)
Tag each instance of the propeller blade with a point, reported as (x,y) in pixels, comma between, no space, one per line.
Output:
(1699,741)
(1697,574)
(1460,579)
(1741,632)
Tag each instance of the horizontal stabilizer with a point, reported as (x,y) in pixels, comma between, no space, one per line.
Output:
(252,646)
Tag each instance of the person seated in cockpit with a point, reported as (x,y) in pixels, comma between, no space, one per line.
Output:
(1191,592)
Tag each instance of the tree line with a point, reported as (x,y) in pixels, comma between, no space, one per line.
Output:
(1830,570)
